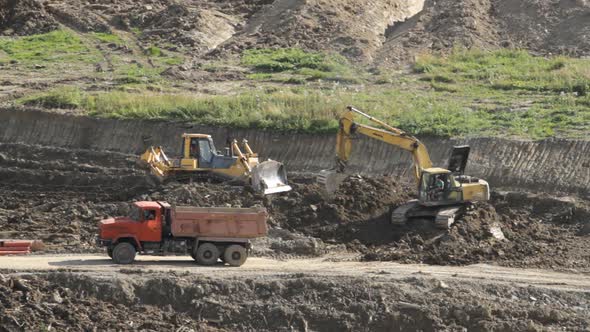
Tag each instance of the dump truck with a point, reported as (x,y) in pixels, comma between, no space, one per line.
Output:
(200,159)
(207,234)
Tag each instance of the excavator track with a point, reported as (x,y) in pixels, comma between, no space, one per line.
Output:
(443,217)
(446,217)
(399,216)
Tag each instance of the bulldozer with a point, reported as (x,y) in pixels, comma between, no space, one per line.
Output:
(444,194)
(201,159)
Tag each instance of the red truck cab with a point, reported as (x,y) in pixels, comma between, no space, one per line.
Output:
(207,234)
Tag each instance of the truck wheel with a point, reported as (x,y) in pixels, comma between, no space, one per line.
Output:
(235,255)
(207,254)
(110,252)
(124,253)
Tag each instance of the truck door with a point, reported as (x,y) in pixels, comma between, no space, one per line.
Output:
(152,226)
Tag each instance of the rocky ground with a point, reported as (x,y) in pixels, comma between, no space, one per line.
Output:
(134,300)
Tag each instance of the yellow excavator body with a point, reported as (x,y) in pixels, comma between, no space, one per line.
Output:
(199,156)
(442,193)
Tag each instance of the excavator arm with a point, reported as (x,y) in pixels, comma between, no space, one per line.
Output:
(390,135)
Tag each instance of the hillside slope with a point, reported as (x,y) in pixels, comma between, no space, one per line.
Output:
(377,32)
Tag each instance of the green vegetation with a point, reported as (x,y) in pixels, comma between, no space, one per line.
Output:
(297,65)
(296,109)
(508,70)
(64,97)
(519,94)
(154,51)
(55,46)
(469,93)
(108,38)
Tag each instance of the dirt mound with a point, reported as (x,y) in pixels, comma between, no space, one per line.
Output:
(515,229)
(352,28)
(540,26)
(25,17)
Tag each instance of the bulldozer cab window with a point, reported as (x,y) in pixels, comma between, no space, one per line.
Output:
(194,148)
(205,149)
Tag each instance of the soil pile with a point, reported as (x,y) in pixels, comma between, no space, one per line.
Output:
(35,304)
(515,229)
(352,28)
(25,17)
(545,27)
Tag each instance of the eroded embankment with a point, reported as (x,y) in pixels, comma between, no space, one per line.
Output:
(554,165)
(154,302)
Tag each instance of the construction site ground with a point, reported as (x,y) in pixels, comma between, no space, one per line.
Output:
(86,86)
(328,262)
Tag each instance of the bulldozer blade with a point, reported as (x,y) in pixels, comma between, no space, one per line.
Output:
(331,180)
(270,177)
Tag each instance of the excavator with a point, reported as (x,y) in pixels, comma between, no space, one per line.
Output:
(443,194)
(201,159)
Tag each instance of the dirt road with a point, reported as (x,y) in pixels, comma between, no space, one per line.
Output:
(321,267)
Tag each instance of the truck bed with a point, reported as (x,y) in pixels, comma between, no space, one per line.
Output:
(189,221)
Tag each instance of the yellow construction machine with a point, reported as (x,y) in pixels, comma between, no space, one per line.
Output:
(200,158)
(443,194)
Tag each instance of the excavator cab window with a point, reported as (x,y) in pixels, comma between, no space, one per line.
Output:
(437,187)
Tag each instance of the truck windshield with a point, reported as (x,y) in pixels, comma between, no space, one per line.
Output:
(135,213)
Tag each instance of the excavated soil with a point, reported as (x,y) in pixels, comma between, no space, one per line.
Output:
(58,195)
(299,302)
(383,32)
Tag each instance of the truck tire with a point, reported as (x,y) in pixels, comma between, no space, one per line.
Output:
(124,253)
(235,255)
(207,254)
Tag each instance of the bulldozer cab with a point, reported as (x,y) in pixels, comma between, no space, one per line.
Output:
(438,186)
(199,153)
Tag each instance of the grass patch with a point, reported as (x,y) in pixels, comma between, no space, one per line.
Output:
(55,46)
(508,70)
(454,96)
(307,110)
(312,65)
(108,38)
(154,51)
(63,98)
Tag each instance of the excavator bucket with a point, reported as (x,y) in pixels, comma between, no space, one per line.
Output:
(270,177)
(331,180)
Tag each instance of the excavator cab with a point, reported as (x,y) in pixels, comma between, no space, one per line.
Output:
(438,186)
